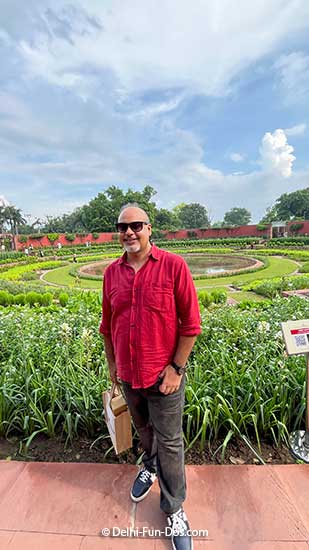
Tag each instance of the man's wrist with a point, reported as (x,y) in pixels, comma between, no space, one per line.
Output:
(180,369)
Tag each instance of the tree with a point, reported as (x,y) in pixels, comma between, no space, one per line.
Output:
(28,229)
(193,216)
(101,213)
(289,206)
(143,198)
(2,219)
(293,205)
(237,216)
(165,219)
(98,214)
(271,215)
(14,218)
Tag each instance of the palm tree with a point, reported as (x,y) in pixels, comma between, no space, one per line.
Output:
(14,217)
(2,219)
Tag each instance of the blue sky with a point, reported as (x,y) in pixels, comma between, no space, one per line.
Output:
(205,102)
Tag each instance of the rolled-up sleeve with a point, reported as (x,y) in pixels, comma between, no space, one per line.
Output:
(186,302)
(105,325)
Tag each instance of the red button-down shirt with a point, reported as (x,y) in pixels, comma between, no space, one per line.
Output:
(146,311)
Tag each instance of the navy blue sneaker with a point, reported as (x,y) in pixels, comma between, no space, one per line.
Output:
(142,484)
(179,531)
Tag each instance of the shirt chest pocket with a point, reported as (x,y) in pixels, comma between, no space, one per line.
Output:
(158,298)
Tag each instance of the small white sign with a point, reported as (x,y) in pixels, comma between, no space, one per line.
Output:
(296,336)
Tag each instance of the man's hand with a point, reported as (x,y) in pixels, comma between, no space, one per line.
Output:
(170,380)
(112,372)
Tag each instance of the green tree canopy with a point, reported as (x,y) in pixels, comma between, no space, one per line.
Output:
(193,216)
(293,205)
(289,206)
(237,216)
(270,215)
(101,213)
(11,217)
(165,219)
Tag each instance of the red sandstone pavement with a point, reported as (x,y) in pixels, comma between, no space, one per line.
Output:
(58,506)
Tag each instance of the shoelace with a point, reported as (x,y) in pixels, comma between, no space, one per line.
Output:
(145,475)
(178,523)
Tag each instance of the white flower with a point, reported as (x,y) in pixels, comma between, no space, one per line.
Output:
(86,334)
(263,326)
(66,329)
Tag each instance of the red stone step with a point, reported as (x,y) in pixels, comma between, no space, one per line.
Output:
(51,506)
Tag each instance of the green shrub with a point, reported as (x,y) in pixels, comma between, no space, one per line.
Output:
(273,287)
(46,299)
(304,268)
(95,235)
(70,236)
(63,299)
(5,298)
(23,238)
(296,227)
(262,227)
(29,276)
(204,298)
(52,237)
(218,296)
(19,299)
(33,298)
(246,304)
(253,304)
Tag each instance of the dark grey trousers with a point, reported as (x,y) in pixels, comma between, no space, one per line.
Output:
(158,421)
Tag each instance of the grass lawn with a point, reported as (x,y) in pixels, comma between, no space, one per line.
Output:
(240,295)
(277,268)
(62,277)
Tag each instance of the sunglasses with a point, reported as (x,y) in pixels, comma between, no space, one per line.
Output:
(135,226)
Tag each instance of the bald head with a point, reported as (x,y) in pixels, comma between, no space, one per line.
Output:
(133,213)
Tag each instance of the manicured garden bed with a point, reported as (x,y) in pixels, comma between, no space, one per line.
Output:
(240,386)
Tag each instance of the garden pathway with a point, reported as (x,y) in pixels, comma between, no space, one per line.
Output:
(64,506)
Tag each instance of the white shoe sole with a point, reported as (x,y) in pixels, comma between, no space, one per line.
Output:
(138,499)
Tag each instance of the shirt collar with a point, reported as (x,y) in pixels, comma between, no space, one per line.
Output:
(154,253)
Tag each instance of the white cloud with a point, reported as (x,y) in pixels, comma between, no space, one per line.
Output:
(55,187)
(297,130)
(158,44)
(276,153)
(293,77)
(154,109)
(136,67)
(237,157)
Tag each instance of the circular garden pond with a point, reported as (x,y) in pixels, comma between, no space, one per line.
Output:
(199,264)
(208,264)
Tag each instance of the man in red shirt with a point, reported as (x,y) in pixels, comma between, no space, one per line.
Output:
(150,321)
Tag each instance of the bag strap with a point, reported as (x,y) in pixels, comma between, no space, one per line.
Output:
(113,389)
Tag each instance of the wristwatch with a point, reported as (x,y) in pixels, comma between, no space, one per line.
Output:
(178,369)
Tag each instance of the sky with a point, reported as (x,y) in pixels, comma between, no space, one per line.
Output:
(206,101)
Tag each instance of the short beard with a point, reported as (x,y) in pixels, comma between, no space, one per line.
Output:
(129,248)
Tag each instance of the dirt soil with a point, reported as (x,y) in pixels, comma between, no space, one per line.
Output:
(43,449)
